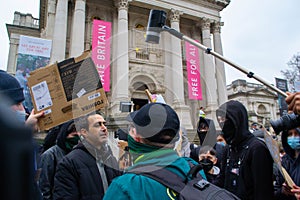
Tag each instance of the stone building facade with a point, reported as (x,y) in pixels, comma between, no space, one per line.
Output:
(260,101)
(135,64)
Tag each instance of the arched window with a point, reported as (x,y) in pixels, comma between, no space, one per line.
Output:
(140,86)
(261,109)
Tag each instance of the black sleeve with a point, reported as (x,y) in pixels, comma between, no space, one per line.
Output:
(65,181)
(46,182)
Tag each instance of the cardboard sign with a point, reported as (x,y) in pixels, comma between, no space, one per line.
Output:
(66,90)
(273,148)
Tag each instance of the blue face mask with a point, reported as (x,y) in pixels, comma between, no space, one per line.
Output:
(21,115)
(221,143)
(294,142)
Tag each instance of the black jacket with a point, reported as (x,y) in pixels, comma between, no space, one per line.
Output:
(292,165)
(249,166)
(77,175)
(49,160)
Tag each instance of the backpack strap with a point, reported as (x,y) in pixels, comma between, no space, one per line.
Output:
(163,176)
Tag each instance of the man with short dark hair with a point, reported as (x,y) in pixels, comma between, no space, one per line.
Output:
(153,131)
(89,168)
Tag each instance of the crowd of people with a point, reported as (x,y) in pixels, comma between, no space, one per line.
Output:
(77,162)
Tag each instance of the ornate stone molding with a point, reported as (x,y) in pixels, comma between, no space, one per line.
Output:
(217,27)
(205,24)
(122,4)
(174,15)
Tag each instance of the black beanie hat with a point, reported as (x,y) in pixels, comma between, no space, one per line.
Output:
(11,88)
(154,120)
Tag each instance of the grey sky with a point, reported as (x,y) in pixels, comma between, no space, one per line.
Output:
(260,35)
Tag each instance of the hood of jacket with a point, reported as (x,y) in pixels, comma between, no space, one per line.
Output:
(62,135)
(237,113)
(211,135)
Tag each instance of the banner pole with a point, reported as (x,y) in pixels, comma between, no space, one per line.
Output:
(210,51)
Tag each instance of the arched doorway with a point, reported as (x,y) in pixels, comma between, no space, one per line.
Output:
(139,102)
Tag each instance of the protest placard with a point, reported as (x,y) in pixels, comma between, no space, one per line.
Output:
(66,90)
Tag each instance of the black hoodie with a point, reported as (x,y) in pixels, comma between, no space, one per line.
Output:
(249,165)
(62,135)
(210,137)
(49,161)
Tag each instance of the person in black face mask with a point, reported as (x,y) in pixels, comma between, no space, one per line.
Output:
(248,168)
(207,134)
(208,159)
(206,131)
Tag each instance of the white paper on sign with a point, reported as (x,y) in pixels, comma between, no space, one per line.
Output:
(94,96)
(81,92)
(41,95)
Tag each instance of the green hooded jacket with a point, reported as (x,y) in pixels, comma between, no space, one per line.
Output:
(136,187)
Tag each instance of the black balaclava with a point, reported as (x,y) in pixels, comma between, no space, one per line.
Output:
(236,126)
(228,130)
(209,137)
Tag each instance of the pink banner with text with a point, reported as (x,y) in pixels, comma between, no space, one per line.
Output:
(193,71)
(101,51)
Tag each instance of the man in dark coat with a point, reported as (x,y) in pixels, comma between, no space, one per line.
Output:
(249,166)
(89,168)
(66,140)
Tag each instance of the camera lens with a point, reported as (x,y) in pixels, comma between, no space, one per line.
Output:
(286,122)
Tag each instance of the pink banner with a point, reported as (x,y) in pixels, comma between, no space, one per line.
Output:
(193,71)
(101,51)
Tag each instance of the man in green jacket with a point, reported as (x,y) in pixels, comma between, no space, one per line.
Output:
(153,131)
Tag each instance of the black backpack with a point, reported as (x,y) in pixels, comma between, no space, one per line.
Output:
(195,189)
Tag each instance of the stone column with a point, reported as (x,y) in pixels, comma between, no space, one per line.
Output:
(78,27)
(120,84)
(165,40)
(13,52)
(60,32)
(209,72)
(220,70)
(50,19)
(179,105)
